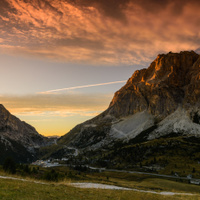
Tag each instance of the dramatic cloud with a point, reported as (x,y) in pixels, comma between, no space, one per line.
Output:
(99,32)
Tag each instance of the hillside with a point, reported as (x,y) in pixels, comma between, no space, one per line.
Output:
(18,139)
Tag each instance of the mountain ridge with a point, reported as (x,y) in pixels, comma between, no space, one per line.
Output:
(18,139)
(159,102)
(169,87)
(14,128)
(164,72)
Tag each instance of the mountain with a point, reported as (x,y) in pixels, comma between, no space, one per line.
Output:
(158,109)
(18,139)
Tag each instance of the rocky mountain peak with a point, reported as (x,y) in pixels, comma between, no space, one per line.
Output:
(159,101)
(171,67)
(160,88)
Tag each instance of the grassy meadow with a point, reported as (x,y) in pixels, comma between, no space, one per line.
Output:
(61,189)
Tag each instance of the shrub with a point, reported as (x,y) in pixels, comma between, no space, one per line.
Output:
(9,166)
(51,175)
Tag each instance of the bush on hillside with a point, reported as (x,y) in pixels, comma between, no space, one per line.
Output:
(9,166)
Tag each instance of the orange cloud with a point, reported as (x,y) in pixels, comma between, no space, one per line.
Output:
(107,32)
(59,104)
(56,114)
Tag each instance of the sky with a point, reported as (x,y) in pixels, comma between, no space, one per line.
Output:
(61,61)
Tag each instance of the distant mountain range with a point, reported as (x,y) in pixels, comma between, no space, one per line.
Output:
(152,122)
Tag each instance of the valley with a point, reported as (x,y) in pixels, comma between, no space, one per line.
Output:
(92,184)
(146,141)
(99,100)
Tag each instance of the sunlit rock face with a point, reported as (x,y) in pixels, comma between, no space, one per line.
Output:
(171,80)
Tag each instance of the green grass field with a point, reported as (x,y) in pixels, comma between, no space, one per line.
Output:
(28,190)
(19,190)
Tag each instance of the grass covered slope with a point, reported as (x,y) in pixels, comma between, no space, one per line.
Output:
(20,190)
(26,187)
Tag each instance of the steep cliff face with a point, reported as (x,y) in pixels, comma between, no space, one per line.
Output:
(18,139)
(161,88)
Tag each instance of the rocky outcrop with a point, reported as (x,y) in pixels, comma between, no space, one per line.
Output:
(161,88)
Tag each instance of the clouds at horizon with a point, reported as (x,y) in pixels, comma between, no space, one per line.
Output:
(56,114)
(107,32)
(57,104)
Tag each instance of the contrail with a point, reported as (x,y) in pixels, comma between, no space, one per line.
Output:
(81,86)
